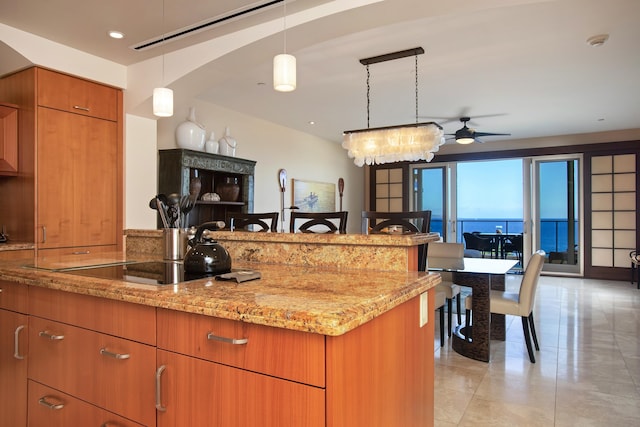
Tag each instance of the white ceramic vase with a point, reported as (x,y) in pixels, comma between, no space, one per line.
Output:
(211,146)
(191,134)
(227,144)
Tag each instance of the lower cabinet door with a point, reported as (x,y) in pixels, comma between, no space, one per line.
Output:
(109,372)
(51,408)
(198,393)
(13,369)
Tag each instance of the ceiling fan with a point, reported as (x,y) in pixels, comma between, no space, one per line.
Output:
(467,135)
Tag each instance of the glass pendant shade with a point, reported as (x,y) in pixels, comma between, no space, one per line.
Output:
(284,72)
(464,140)
(162,102)
(394,143)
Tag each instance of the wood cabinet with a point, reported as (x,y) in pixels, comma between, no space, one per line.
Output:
(51,408)
(98,351)
(247,375)
(177,167)
(70,190)
(8,139)
(77,185)
(13,354)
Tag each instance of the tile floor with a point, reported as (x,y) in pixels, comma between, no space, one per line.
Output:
(587,372)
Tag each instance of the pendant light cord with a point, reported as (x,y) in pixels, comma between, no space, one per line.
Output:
(416,88)
(284,23)
(368,94)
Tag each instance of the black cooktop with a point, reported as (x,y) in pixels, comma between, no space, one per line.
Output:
(149,273)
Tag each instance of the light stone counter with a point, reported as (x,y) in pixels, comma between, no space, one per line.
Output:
(333,298)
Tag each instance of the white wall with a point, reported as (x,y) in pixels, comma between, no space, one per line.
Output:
(141,164)
(273,147)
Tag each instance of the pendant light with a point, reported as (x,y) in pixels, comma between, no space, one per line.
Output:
(410,142)
(284,65)
(162,96)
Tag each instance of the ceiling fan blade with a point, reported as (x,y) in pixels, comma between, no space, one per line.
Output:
(491,134)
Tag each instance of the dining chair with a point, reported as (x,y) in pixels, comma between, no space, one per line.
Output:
(447,256)
(319,222)
(439,304)
(259,222)
(635,261)
(518,303)
(482,244)
(375,222)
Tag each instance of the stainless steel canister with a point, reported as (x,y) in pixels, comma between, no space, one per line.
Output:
(175,243)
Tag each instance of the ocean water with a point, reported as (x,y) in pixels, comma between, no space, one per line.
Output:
(553,231)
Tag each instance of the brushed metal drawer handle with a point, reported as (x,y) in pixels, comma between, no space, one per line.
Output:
(54,406)
(53,337)
(16,343)
(117,356)
(235,341)
(81,252)
(78,107)
(159,372)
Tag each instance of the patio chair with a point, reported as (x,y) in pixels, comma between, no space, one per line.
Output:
(482,244)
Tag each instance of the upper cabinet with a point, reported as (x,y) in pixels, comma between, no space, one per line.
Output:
(8,139)
(63,92)
(69,194)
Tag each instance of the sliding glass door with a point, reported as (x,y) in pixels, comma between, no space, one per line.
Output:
(537,199)
(557,213)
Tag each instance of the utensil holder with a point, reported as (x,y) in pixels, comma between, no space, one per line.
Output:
(175,243)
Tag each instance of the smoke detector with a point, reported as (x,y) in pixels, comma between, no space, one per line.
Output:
(597,41)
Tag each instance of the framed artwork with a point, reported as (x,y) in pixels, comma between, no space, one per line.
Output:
(310,196)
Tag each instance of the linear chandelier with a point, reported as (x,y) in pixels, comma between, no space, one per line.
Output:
(410,142)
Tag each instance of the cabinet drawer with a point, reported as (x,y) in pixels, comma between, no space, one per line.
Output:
(13,296)
(293,355)
(110,372)
(131,321)
(80,251)
(76,95)
(197,393)
(51,408)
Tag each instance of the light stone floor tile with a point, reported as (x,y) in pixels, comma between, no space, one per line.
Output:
(587,372)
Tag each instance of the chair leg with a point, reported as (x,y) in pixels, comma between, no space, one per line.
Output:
(441,310)
(467,327)
(533,331)
(527,338)
(459,311)
(449,315)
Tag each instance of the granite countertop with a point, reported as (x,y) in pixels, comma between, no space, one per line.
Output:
(16,246)
(324,301)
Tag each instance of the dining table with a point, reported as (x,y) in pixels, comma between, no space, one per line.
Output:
(500,239)
(482,275)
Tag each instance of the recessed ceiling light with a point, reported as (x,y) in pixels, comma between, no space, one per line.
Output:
(597,41)
(116,34)
(311,122)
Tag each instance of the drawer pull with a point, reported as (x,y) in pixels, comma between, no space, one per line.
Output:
(235,341)
(56,406)
(80,253)
(47,334)
(16,343)
(159,372)
(78,107)
(118,356)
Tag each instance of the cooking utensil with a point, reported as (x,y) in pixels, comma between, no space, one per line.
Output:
(162,210)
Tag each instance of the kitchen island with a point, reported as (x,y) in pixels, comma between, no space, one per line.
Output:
(312,346)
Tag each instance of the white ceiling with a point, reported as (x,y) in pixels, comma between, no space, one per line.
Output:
(516,66)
